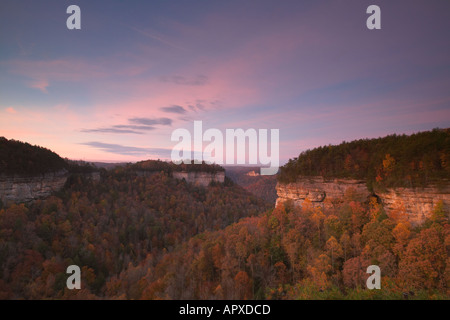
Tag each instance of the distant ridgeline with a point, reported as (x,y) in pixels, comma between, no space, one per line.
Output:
(21,158)
(30,172)
(394,161)
(158,165)
(201,174)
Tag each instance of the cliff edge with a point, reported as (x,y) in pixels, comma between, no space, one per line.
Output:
(200,178)
(17,189)
(417,203)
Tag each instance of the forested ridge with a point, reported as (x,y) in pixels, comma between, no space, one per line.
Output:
(415,160)
(150,236)
(107,227)
(21,158)
(24,159)
(159,165)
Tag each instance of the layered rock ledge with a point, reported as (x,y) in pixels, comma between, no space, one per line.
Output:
(417,203)
(28,188)
(200,178)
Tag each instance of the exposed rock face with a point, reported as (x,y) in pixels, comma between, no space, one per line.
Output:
(417,203)
(319,191)
(28,188)
(200,178)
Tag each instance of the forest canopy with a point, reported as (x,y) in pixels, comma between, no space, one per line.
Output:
(393,161)
(107,227)
(22,158)
(159,165)
(18,157)
(150,236)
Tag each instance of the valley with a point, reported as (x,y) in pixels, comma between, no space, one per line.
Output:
(155,230)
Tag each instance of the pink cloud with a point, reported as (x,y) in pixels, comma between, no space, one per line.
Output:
(40,84)
(60,69)
(11,110)
(42,72)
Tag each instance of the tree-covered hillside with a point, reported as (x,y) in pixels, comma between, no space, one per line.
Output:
(158,165)
(107,227)
(17,157)
(150,236)
(393,161)
(293,253)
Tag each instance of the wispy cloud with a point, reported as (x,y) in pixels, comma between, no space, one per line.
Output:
(138,126)
(158,38)
(128,150)
(174,109)
(40,84)
(42,73)
(151,122)
(112,130)
(198,80)
(199,105)
(59,69)
(134,127)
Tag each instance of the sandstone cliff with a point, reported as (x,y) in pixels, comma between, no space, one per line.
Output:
(417,203)
(28,188)
(320,191)
(200,178)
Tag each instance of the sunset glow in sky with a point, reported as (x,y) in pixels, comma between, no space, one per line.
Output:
(137,70)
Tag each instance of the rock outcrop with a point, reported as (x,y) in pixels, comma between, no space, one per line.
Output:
(417,203)
(28,188)
(200,178)
(320,191)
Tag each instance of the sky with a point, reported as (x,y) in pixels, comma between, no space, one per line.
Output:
(116,89)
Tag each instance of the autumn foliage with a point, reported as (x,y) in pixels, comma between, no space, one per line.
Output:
(415,160)
(150,236)
(111,228)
